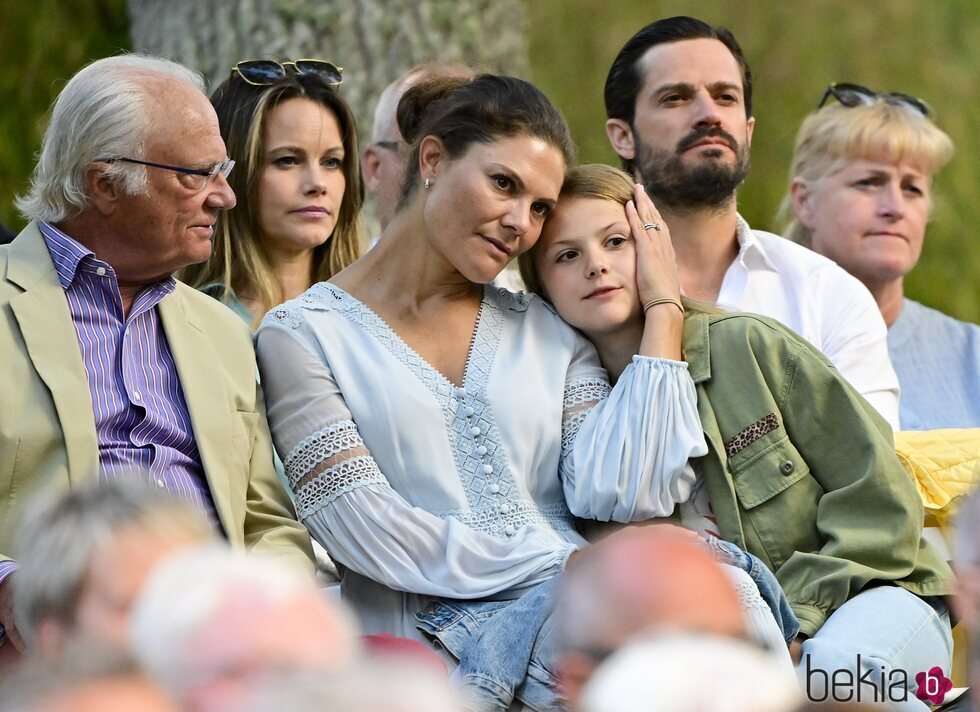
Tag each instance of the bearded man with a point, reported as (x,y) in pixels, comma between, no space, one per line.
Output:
(679,105)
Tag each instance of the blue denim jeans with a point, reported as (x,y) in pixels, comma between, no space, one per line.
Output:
(505,648)
(769,588)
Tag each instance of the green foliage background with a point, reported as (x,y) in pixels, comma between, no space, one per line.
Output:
(42,43)
(795,49)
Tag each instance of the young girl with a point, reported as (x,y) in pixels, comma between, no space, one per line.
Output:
(800,472)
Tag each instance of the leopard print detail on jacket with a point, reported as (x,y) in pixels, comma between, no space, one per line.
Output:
(751,434)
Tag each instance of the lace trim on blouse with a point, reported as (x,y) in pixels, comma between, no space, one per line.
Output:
(336,481)
(494,500)
(474,437)
(319,447)
(521,513)
(315,491)
(319,297)
(585,390)
(749,597)
(569,430)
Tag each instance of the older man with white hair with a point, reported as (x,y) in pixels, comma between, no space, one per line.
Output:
(111,367)
(384,161)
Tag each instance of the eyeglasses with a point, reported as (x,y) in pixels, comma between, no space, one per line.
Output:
(263,72)
(197,178)
(851,95)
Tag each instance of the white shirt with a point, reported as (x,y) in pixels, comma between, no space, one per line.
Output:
(424,489)
(822,303)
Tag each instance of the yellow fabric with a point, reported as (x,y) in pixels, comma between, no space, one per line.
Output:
(945,465)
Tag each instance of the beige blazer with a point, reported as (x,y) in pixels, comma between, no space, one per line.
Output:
(47,429)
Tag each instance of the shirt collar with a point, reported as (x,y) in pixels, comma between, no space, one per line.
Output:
(66,253)
(751,252)
(71,257)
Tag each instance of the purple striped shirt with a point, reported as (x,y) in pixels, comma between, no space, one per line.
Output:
(141,418)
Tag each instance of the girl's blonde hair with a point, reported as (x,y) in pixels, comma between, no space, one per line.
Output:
(837,134)
(591,180)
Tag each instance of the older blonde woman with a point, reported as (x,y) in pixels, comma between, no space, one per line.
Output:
(859,193)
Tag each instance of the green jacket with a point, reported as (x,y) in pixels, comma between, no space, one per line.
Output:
(801,471)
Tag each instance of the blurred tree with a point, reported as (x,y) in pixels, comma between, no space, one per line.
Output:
(374,40)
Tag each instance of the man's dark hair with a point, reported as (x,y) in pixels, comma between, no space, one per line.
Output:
(624,79)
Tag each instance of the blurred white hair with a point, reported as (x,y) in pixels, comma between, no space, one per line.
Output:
(187,595)
(373,686)
(691,673)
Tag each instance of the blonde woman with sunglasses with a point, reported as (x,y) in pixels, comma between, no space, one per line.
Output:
(298,182)
(860,193)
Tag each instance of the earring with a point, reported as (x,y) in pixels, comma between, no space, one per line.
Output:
(427,183)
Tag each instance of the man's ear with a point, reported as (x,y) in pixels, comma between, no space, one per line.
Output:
(802,198)
(432,157)
(103,192)
(621,137)
(749,128)
(369,168)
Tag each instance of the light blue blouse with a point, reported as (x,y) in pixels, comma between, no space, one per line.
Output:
(424,489)
(937,359)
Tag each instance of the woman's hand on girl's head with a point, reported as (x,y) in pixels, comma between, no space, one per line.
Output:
(656,265)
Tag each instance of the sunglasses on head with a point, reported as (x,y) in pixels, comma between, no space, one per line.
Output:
(851,95)
(263,72)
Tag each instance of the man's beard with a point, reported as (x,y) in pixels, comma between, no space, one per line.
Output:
(676,186)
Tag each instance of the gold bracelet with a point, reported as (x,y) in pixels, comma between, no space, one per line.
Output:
(663,300)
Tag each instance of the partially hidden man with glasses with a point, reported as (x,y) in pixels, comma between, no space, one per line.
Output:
(112,369)
(679,101)
(384,159)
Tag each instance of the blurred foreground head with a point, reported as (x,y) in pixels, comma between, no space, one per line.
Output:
(389,684)
(213,624)
(637,579)
(683,672)
(85,554)
(81,679)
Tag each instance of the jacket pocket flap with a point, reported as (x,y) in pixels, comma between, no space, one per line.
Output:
(767,472)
